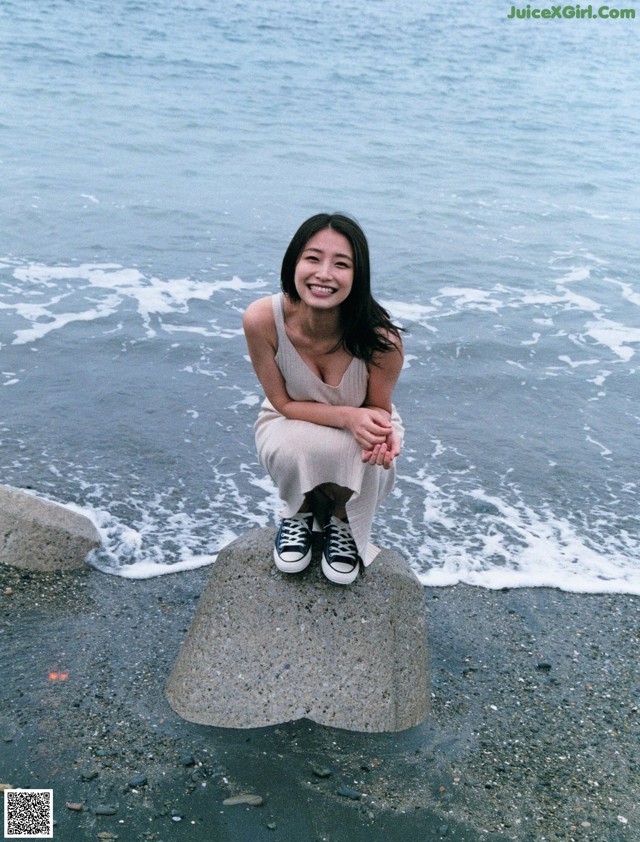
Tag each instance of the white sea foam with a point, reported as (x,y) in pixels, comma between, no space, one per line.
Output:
(510,545)
(514,545)
(628,292)
(155,299)
(141,552)
(33,312)
(578,273)
(158,536)
(404,312)
(617,337)
(565,358)
(474,299)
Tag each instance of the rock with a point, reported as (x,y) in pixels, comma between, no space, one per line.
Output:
(266,648)
(136,781)
(348,792)
(37,534)
(251,800)
(106,810)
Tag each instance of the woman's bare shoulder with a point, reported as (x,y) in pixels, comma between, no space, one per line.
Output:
(258,316)
(394,339)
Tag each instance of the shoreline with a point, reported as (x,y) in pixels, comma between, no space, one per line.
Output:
(531,734)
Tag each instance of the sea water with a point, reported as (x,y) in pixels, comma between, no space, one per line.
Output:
(157,157)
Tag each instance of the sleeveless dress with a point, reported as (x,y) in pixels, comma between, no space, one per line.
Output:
(300,455)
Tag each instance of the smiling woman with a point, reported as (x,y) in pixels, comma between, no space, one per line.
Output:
(328,358)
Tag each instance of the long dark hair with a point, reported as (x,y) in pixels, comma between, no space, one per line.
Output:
(364,322)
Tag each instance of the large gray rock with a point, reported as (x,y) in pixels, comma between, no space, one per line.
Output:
(37,534)
(266,647)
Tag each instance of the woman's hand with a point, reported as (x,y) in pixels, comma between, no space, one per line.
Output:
(383,454)
(369,426)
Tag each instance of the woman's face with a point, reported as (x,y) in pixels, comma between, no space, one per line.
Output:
(324,271)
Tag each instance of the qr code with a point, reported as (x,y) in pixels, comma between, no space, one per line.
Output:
(28,813)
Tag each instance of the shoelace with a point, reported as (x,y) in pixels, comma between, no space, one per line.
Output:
(294,531)
(341,541)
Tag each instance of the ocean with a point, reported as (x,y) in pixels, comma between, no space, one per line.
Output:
(156,159)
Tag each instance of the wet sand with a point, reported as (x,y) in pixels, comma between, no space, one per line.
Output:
(533,735)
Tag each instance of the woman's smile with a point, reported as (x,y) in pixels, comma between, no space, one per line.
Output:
(321,290)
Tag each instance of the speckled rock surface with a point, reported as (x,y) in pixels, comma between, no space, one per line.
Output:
(266,647)
(37,534)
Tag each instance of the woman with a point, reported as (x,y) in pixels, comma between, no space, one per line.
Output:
(328,358)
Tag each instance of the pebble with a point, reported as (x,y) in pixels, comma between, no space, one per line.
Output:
(75,806)
(187,760)
(321,772)
(106,810)
(347,792)
(88,776)
(252,800)
(137,780)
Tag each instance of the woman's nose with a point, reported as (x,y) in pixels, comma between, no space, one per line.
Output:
(323,270)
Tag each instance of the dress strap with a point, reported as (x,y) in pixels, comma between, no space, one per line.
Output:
(277,302)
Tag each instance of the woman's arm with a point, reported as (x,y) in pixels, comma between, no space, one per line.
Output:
(369,424)
(384,371)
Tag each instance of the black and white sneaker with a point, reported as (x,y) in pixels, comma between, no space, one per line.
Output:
(340,559)
(292,550)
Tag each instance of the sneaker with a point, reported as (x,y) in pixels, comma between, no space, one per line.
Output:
(292,550)
(340,559)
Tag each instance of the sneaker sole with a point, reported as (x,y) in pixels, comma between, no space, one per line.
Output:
(291,566)
(339,578)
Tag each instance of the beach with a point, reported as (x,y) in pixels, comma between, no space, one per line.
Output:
(532,733)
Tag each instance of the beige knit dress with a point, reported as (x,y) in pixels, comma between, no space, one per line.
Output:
(300,455)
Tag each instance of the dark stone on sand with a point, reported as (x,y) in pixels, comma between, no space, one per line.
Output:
(137,780)
(266,648)
(348,792)
(249,799)
(106,810)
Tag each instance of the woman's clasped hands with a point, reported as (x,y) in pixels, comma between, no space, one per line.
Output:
(371,427)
